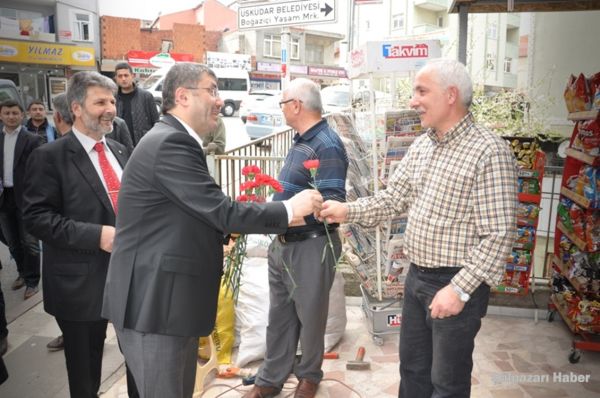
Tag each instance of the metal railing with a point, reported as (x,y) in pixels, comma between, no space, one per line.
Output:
(268,153)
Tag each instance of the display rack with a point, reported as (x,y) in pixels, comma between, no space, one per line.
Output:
(520,263)
(576,258)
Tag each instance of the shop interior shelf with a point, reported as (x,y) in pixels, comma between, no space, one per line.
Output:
(575,197)
(584,157)
(580,243)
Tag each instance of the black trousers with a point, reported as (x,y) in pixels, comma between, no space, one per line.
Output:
(23,247)
(84,345)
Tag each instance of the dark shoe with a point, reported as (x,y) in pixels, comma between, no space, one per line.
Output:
(30,291)
(306,389)
(18,283)
(57,344)
(3,345)
(262,392)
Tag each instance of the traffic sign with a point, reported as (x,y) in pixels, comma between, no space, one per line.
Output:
(286,13)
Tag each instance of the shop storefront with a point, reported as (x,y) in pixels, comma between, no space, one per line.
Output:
(144,63)
(40,69)
(268,75)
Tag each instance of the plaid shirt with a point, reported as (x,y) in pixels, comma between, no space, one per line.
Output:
(461,196)
(319,142)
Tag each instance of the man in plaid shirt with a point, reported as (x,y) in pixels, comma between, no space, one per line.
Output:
(458,183)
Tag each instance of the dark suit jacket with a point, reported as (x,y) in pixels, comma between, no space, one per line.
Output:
(121,134)
(26,143)
(167,259)
(65,207)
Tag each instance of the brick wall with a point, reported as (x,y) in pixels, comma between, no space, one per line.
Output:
(212,40)
(118,36)
(152,40)
(189,39)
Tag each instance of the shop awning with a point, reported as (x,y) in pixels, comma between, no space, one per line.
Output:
(484,6)
(465,7)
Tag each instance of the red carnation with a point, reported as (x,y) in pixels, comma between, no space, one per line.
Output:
(275,185)
(242,198)
(251,170)
(311,164)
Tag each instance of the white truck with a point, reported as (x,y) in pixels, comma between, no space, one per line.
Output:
(233,83)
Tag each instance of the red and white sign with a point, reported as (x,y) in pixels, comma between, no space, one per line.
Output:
(392,56)
(155,59)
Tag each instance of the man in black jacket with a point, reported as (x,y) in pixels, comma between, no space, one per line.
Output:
(16,145)
(135,105)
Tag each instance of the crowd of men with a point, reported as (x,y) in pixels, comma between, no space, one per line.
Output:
(136,238)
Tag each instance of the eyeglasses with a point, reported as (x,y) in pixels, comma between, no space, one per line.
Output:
(289,100)
(213,91)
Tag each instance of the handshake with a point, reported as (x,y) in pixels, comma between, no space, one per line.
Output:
(310,201)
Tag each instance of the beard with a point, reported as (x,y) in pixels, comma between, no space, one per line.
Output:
(95,124)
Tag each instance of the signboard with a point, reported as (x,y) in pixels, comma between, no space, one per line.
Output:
(286,13)
(226,60)
(393,56)
(156,59)
(34,52)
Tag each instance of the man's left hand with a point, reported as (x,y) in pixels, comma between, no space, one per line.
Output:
(446,303)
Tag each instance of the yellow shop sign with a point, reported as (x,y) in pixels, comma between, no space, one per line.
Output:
(35,52)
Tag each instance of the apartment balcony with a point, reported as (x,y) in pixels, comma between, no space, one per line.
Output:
(511,50)
(425,28)
(513,20)
(432,5)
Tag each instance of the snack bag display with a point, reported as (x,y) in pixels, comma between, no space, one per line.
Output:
(577,94)
(587,139)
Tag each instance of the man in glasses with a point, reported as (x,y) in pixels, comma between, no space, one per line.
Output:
(164,274)
(299,314)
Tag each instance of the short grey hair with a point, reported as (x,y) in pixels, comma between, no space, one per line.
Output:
(60,105)
(306,91)
(81,81)
(450,72)
(184,74)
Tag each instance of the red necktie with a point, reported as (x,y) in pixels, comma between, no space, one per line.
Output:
(110,177)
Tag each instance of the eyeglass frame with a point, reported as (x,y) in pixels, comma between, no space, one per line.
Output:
(283,102)
(214,91)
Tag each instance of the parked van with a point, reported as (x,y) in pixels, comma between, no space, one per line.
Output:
(233,83)
(8,91)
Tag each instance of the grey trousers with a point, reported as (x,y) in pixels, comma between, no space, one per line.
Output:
(297,313)
(162,366)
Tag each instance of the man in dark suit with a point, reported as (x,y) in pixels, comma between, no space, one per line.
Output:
(16,145)
(70,205)
(164,273)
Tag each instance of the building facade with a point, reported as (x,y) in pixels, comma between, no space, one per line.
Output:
(42,43)
(149,49)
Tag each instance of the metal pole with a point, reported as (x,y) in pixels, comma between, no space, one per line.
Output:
(463,23)
(285,56)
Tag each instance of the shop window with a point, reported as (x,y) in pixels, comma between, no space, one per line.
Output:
(490,61)
(82,25)
(166,46)
(315,54)
(295,48)
(398,22)
(272,46)
(440,21)
(507,64)
(492,31)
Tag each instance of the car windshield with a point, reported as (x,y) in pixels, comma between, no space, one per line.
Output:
(337,98)
(150,81)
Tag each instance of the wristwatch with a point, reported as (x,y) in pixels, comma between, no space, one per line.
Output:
(462,295)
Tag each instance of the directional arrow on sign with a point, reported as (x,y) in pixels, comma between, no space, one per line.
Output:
(327,9)
(286,13)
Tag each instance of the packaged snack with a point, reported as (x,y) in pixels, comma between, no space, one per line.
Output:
(577,94)
(595,90)
(587,139)
(529,185)
(528,211)
(592,231)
